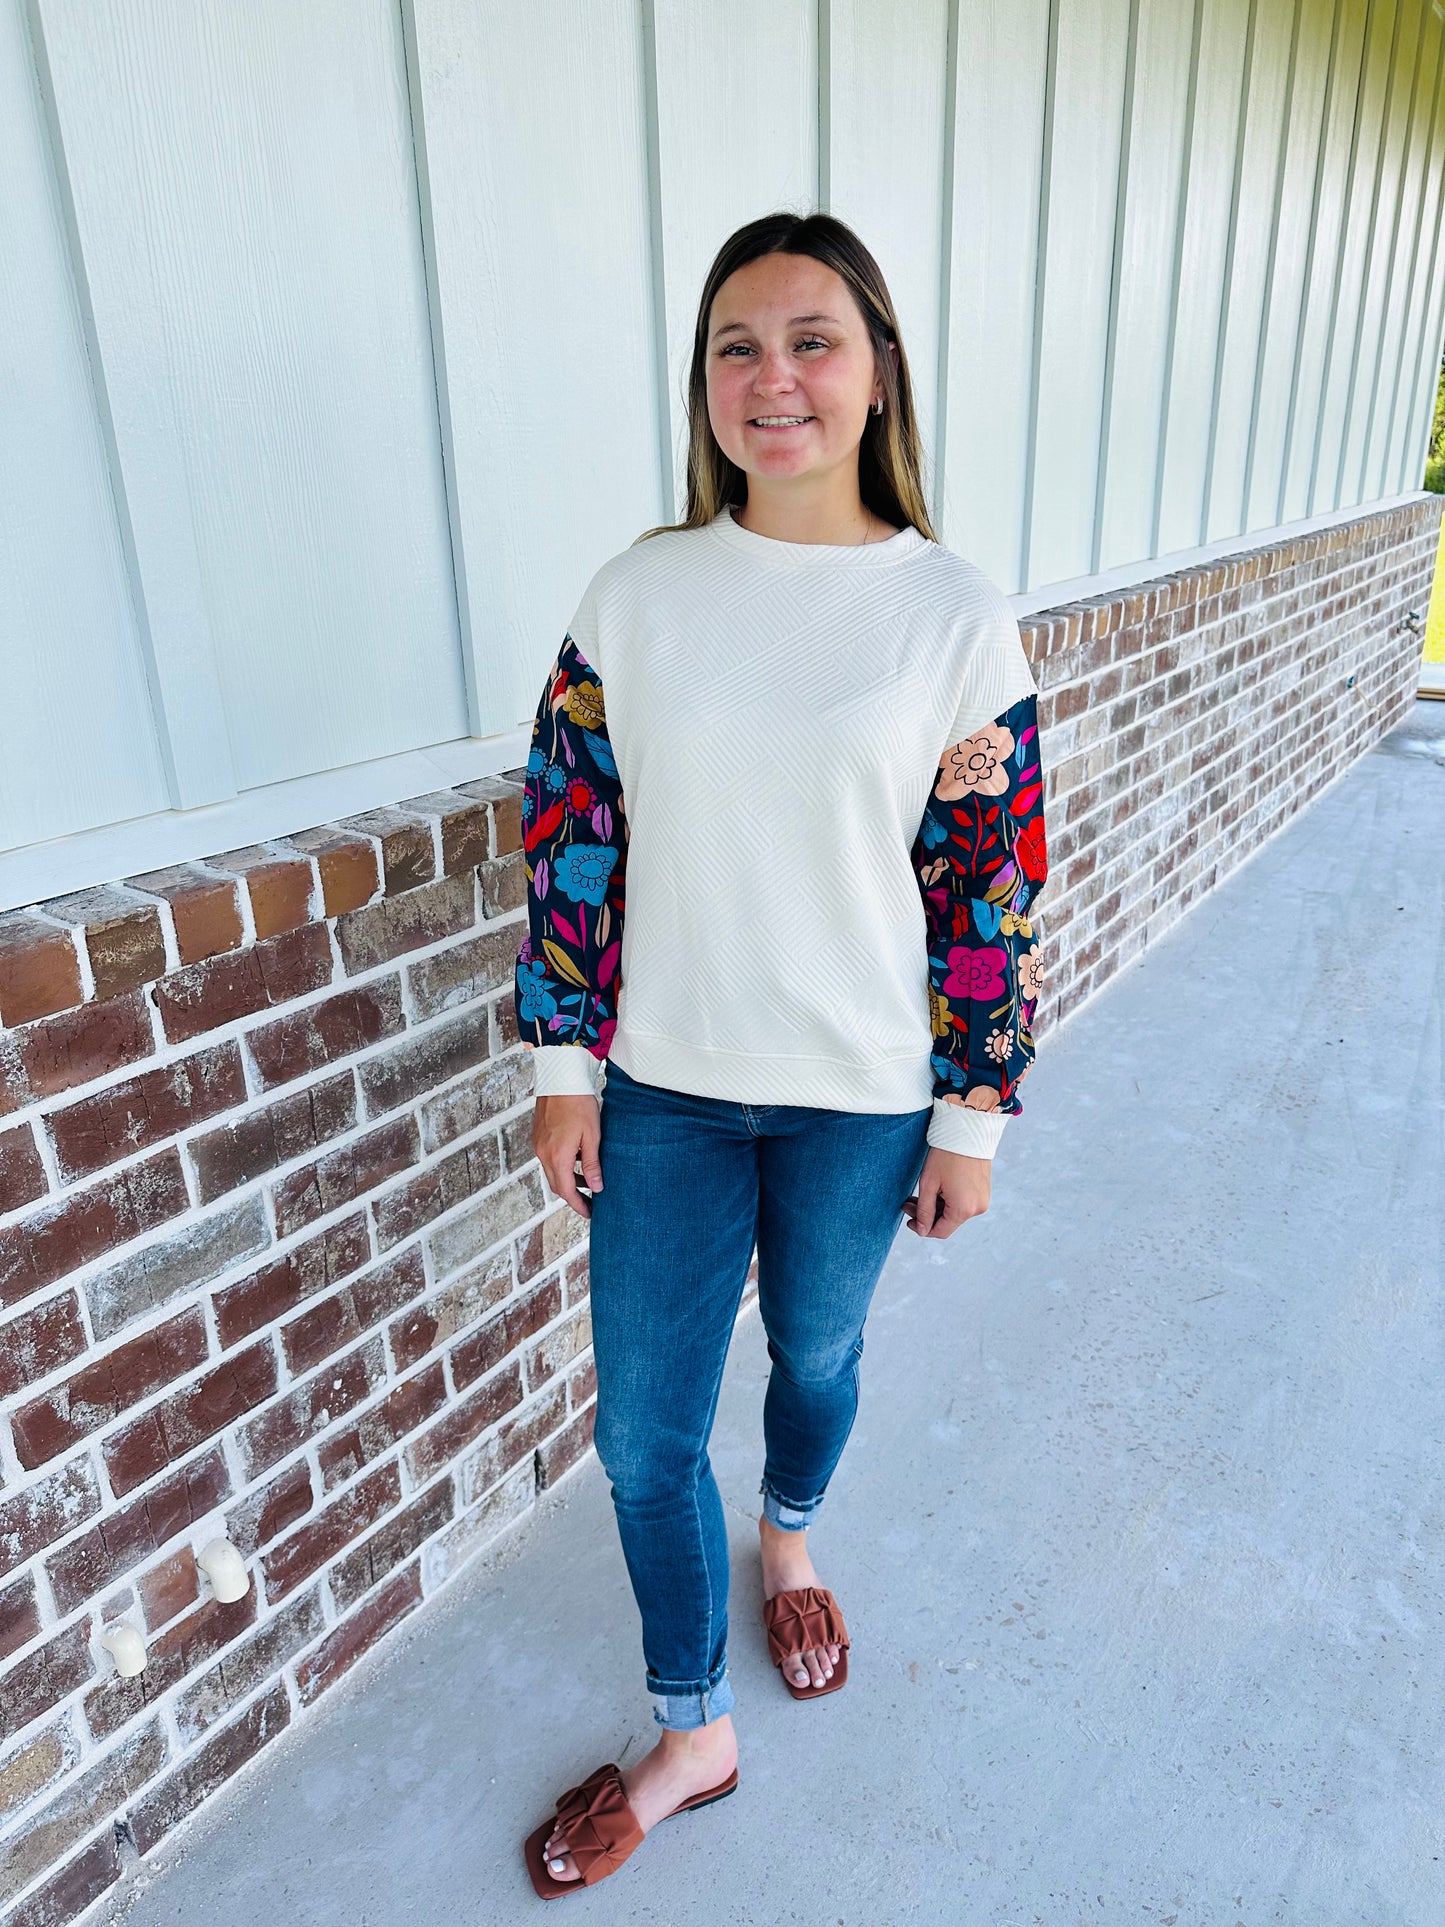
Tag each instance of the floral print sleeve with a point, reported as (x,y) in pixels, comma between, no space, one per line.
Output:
(981,859)
(574,839)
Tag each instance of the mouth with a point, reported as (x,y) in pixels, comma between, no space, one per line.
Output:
(779,424)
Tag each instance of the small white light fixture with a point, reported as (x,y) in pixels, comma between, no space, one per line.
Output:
(126,1648)
(224,1567)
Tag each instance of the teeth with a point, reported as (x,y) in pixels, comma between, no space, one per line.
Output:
(780,421)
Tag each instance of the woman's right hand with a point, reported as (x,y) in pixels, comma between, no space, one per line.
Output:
(566,1131)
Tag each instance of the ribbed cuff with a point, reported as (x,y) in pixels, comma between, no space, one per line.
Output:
(565,1070)
(960,1128)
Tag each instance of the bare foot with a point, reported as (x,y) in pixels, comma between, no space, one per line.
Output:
(786,1564)
(683,1762)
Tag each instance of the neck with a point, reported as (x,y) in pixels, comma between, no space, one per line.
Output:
(828,513)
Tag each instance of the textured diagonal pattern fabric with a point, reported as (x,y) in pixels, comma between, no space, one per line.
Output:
(725,888)
(804,1619)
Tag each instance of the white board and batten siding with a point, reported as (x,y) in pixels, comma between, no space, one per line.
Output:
(343,341)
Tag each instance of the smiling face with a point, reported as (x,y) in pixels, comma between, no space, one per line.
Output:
(790,368)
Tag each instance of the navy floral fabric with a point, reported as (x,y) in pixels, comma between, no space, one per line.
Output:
(981,859)
(574,841)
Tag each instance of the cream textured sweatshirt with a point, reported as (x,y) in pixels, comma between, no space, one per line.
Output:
(783,824)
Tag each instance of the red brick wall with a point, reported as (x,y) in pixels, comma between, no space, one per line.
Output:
(276,1258)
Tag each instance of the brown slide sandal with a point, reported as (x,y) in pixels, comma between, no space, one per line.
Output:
(601,1828)
(808,1616)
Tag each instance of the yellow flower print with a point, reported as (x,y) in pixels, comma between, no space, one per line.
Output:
(583,703)
(938,1013)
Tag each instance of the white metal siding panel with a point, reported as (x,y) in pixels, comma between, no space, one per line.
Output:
(1083,134)
(1284,311)
(76,704)
(535,147)
(1259,168)
(247,211)
(736,98)
(1400,434)
(998,138)
(1307,396)
(1148,259)
(1203,286)
(1404,241)
(883,159)
(1353,267)
(1370,317)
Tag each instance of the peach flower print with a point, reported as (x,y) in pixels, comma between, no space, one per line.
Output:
(1031,974)
(975,767)
(1000,1043)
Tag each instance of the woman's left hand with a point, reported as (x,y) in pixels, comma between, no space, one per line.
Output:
(951,1189)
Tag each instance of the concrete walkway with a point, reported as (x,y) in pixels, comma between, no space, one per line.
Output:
(1140,1534)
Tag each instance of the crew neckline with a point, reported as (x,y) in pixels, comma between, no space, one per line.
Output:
(804,555)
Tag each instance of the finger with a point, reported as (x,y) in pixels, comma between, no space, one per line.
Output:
(564,1184)
(927,1209)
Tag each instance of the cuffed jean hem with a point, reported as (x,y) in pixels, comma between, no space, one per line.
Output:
(685,1709)
(785,1516)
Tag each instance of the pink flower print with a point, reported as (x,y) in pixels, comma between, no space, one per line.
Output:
(975,767)
(975,973)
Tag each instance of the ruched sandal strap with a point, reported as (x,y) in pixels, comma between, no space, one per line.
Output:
(804,1618)
(600,1827)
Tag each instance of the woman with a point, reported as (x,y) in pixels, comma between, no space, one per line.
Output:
(779,883)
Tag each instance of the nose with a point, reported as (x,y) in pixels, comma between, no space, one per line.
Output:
(773,375)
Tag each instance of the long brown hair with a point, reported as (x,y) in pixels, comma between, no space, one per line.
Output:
(890,455)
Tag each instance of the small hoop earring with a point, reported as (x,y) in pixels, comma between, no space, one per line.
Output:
(878,406)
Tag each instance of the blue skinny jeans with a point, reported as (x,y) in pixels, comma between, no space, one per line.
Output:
(689,1186)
